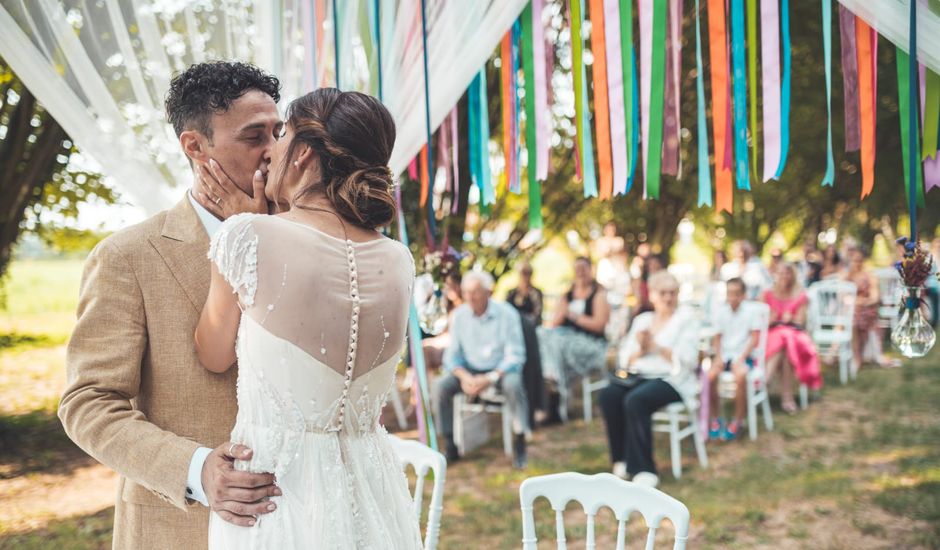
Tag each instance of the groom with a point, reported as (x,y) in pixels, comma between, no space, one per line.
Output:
(137,399)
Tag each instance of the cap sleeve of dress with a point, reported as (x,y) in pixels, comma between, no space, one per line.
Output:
(234,251)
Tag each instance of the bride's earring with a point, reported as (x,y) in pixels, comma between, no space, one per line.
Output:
(296,164)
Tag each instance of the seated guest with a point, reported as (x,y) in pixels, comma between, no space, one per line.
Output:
(656,367)
(867,301)
(746,266)
(526,298)
(831,264)
(573,344)
(434,346)
(738,332)
(789,349)
(487,349)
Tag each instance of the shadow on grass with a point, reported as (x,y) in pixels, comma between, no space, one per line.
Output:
(35,442)
(16,340)
(91,532)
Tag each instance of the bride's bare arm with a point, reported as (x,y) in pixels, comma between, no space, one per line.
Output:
(218,326)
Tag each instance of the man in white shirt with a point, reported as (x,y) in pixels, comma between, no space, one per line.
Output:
(738,333)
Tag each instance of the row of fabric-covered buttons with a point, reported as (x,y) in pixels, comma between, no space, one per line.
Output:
(354,329)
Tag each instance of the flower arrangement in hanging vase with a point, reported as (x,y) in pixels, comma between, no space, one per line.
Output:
(913,336)
(430,300)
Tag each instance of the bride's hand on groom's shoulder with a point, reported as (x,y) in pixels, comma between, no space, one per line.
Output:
(218,194)
(237,497)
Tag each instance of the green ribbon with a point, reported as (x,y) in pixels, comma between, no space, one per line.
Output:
(577,72)
(904,111)
(931,114)
(752,78)
(657,100)
(626,60)
(528,66)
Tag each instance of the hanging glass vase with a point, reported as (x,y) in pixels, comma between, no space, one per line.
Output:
(913,336)
(432,314)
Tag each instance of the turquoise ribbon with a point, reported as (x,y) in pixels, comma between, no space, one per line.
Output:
(587,145)
(704,174)
(479,128)
(827,52)
(785,85)
(740,95)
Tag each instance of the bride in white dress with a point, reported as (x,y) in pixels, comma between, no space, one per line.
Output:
(312,303)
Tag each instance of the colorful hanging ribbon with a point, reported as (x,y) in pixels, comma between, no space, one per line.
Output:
(866,102)
(912,122)
(931,165)
(577,74)
(336,66)
(671,129)
(718,50)
(543,67)
(479,129)
(853,137)
(740,95)
(529,20)
(629,95)
(909,139)
(615,94)
(704,173)
(427,152)
(515,182)
(830,175)
(930,84)
(785,87)
(752,79)
(601,101)
(657,88)
(634,135)
(645,12)
(770,69)
(507,105)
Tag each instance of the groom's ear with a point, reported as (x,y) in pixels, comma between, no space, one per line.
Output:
(195,145)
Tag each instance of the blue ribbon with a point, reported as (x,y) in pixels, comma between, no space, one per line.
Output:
(704,173)
(635,114)
(785,86)
(740,95)
(377,22)
(590,179)
(414,340)
(827,52)
(913,150)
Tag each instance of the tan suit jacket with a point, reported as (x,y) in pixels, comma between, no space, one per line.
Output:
(137,399)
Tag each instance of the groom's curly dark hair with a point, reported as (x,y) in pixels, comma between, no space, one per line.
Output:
(207,88)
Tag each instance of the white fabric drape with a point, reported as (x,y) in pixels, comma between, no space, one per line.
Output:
(102,67)
(892,20)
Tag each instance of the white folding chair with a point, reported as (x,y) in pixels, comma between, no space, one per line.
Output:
(424,459)
(680,420)
(490,402)
(756,380)
(889,290)
(593,493)
(831,314)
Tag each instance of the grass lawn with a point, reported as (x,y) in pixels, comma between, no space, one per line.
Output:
(859,469)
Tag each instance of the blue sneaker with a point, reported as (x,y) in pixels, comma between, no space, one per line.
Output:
(732,431)
(716,429)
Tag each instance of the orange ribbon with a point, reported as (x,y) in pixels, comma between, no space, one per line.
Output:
(718,50)
(424,176)
(866,102)
(601,101)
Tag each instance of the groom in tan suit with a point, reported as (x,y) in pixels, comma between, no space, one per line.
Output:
(137,398)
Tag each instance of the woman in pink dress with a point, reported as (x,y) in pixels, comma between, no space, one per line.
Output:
(789,349)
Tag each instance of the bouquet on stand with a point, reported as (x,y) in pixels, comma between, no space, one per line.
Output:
(913,336)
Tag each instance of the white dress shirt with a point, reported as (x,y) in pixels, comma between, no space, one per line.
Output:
(194,488)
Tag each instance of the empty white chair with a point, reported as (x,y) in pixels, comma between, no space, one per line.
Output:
(756,380)
(424,459)
(490,402)
(680,420)
(889,290)
(593,493)
(830,317)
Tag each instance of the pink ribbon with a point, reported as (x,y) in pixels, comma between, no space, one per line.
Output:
(646,61)
(618,121)
(853,135)
(770,61)
(543,128)
(672,161)
(306,17)
(932,164)
(455,164)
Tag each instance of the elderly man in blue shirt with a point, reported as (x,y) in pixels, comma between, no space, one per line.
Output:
(486,349)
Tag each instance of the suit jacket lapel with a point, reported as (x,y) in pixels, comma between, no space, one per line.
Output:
(184,245)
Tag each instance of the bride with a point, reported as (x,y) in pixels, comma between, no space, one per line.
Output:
(312,303)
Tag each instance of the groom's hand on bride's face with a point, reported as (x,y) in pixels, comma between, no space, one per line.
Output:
(238,497)
(218,194)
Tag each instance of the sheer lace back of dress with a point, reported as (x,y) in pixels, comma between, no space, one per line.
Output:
(324,318)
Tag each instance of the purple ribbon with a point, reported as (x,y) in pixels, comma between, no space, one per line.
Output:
(931,164)
(853,135)
(770,58)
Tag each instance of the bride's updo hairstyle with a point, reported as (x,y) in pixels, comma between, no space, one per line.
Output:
(352,135)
